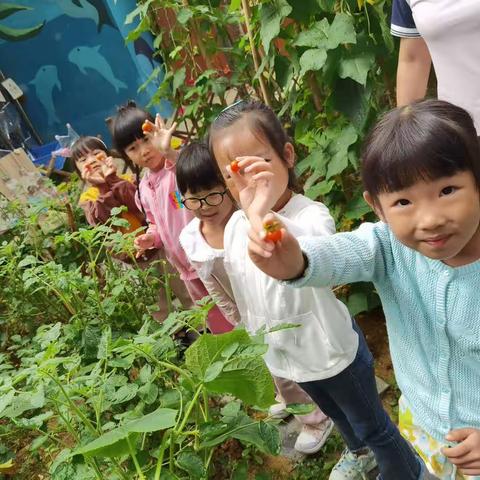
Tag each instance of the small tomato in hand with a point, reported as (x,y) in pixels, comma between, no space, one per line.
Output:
(147,127)
(273,231)
(234,167)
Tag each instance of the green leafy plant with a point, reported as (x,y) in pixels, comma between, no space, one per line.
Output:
(92,384)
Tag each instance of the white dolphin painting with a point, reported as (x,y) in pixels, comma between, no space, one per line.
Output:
(90,57)
(45,80)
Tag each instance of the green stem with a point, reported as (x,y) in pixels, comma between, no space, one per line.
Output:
(168,366)
(205,405)
(135,460)
(65,302)
(85,420)
(168,289)
(209,459)
(189,410)
(161,453)
(171,461)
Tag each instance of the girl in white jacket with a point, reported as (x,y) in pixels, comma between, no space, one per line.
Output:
(205,194)
(326,354)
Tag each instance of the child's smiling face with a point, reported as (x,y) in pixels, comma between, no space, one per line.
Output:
(90,166)
(218,209)
(438,218)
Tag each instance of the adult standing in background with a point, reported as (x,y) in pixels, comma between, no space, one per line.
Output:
(448,33)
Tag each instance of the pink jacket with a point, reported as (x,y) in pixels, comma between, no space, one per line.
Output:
(166,215)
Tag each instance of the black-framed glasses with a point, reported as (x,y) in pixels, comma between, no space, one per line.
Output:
(212,199)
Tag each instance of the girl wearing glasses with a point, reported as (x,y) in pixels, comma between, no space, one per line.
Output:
(205,194)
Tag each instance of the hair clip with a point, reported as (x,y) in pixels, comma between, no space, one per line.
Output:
(234,104)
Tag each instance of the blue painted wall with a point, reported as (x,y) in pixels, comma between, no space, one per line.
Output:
(77,69)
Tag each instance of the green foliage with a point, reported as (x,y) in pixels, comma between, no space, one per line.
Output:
(92,384)
(231,363)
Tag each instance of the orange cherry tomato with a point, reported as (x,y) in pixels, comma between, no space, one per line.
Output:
(100,156)
(147,127)
(273,231)
(234,167)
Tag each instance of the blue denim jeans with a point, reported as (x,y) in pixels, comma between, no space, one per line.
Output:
(351,400)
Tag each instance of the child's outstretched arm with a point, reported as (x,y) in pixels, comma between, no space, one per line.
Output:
(363,255)
(161,137)
(465,455)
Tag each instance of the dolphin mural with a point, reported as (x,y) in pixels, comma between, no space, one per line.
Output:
(90,57)
(78,9)
(93,9)
(45,80)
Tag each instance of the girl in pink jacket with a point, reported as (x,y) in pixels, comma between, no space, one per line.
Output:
(145,142)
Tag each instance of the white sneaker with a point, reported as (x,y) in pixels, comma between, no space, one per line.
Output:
(352,466)
(312,439)
(277,410)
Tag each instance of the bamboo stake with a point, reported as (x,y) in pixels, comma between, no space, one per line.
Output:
(246,13)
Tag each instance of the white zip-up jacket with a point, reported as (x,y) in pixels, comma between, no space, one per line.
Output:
(325,343)
(208,262)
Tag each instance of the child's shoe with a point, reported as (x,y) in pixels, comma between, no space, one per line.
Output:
(312,439)
(353,466)
(277,410)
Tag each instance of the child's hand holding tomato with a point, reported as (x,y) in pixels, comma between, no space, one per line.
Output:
(465,455)
(255,182)
(92,173)
(279,256)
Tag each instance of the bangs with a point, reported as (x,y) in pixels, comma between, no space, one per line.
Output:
(127,127)
(410,145)
(197,170)
(264,125)
(84,145)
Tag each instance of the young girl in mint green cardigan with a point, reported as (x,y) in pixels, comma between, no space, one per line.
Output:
(421,172)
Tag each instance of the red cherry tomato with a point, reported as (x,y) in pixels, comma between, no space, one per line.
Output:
(273,231)
(147,127)
(234,167)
